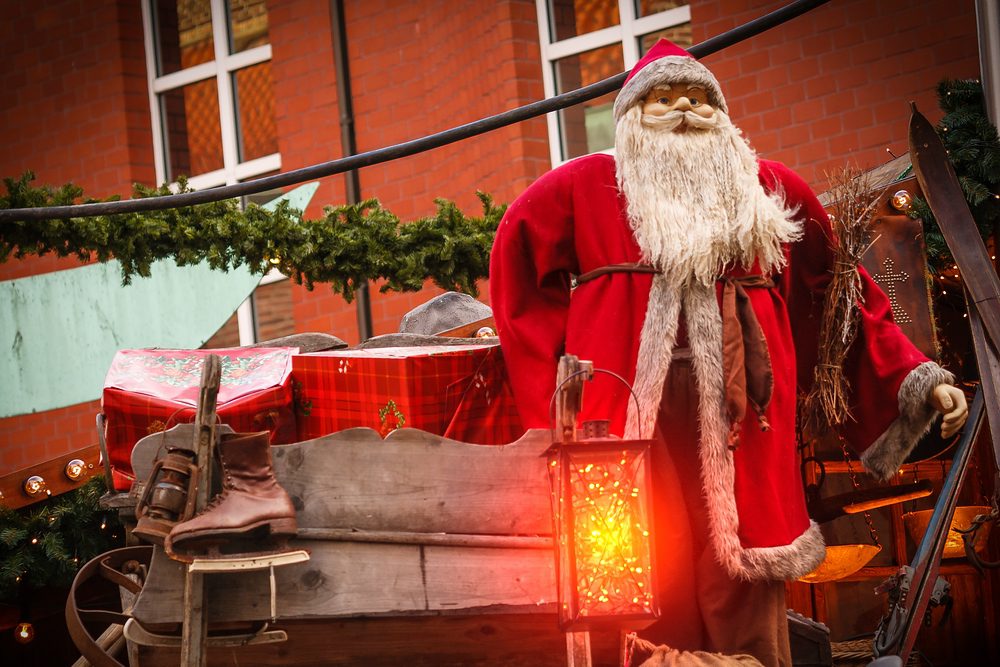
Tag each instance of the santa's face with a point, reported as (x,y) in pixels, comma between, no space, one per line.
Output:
(694,200)
(678,97)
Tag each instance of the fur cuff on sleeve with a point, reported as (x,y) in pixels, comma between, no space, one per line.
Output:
(883,458)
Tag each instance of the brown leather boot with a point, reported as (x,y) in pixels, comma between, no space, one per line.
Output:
(251,504)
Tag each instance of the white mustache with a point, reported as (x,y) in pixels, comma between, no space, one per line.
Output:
(672,119)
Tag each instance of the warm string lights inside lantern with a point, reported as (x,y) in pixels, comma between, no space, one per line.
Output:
(604,515)
(612,537)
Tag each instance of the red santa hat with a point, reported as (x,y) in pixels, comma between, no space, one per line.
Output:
(666,63)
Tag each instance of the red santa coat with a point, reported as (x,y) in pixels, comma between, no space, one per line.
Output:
(573,220)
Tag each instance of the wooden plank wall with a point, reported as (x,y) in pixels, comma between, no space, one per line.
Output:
(401,521)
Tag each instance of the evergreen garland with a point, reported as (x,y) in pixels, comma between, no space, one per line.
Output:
(347,247)
(46,544)
(972,144)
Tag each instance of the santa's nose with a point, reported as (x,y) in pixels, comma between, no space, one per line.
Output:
(682,104)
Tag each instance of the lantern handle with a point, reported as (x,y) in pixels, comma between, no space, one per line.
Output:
(591,371)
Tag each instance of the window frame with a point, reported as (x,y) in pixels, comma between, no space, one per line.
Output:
(630,29)
(222,69)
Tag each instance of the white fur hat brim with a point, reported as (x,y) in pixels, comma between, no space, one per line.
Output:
(667,70)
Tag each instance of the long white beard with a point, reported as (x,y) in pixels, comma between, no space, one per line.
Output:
(694,201)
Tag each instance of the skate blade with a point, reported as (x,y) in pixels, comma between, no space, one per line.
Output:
(250,562)
(256,540)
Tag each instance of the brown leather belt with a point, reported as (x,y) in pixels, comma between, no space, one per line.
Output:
(749,377)
(633,267)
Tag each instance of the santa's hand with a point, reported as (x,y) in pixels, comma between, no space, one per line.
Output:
(950,401)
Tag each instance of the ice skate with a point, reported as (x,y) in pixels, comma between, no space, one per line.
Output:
(252,516)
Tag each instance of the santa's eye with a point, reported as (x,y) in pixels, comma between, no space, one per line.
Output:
(694,101)
(664,100)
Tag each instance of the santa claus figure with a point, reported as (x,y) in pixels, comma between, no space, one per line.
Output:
(697,271)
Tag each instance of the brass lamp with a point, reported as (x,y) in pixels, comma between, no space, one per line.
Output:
(603,515)
(167,498)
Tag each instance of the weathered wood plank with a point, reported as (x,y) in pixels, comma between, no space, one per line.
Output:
(440,539)
(412,481)
(345,579)
(463,578)
(438,641)
(418,482)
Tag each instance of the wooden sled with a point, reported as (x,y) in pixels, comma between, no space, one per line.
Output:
(423,551)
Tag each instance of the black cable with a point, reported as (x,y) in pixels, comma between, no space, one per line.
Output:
(407,148)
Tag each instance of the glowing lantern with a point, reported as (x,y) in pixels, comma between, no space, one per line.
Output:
(603,513)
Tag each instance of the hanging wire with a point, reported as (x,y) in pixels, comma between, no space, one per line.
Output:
(407,148)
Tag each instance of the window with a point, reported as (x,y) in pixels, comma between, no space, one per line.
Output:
(209,69)
(208,64)
(585,41)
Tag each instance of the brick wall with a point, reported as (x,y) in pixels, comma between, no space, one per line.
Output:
(75,108)
(416,68)
(826,87)
(833,85)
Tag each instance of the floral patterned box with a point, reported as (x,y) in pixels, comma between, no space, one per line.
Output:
(458,391)
(147,391)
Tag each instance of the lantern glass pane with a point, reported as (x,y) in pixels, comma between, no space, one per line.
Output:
(605,525)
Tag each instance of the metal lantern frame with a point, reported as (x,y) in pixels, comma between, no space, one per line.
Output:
(602,515)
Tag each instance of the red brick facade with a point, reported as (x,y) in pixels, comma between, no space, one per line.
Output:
(834,85)
(826,88)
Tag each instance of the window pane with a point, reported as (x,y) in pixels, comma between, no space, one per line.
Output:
(647,7)
(273,310)
(183,34)
(247,24)
(254,98)
(191,129)
(679,35)
(577,17)
(588,127)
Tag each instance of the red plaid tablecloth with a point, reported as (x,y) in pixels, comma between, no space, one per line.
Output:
(458,391)
(147,391)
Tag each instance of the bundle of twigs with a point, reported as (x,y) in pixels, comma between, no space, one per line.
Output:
(826,405)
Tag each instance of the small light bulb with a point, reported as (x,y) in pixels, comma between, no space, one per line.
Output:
(24,632)
(75,468)
(902,201)
(34,485)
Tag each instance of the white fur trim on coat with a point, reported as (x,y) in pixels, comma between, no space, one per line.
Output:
(704,322)
(883,458)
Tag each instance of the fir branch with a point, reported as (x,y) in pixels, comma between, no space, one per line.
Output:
(46,544)
(347,247)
